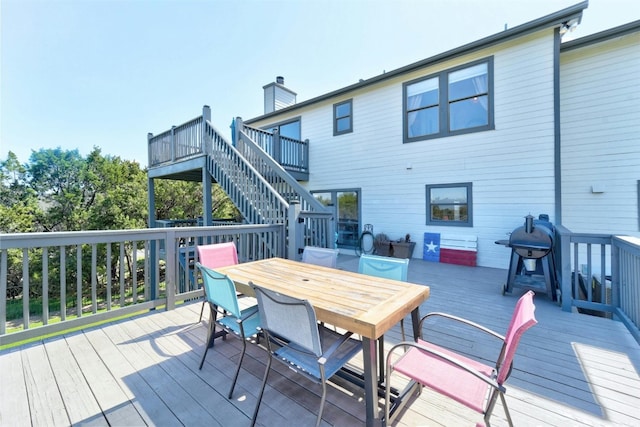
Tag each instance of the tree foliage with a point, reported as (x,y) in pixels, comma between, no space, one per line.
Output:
(60,190)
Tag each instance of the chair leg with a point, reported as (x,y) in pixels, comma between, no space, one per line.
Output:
(202,311)
(322,401)
(264,383)
(210,334)
(506,409)
(402,329)
(235,377)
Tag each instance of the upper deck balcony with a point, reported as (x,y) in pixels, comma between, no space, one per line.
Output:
(177,153)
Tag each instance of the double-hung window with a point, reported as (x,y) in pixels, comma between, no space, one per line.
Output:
(459,100)
(343,117)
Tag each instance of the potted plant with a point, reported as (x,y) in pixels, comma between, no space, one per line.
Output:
(382,245)
(402,248)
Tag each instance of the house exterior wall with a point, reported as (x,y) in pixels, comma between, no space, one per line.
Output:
(511,168)
(600,127)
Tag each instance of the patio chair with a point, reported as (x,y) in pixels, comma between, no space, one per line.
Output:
(295,338)
(320,256)
(216,255)
(225,312)
(389,268)
(469,382)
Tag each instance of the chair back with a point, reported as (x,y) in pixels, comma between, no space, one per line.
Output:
(320,256)
(220,290)
(523,318)
(385,267)
(290,318)
(218,254)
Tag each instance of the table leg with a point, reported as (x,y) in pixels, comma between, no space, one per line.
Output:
(370,355)
(415,322)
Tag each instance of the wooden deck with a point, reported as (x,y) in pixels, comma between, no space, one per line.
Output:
(571,369)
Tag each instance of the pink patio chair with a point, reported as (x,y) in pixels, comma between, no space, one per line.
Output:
(216,255)
(471,383)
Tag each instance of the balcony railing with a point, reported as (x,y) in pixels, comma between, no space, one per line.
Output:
(600,274)
(51,282)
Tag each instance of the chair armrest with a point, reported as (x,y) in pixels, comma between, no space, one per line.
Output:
(335,346)
(252,311)
(463,321)
(490,381)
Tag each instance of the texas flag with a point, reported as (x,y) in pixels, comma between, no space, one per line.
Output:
(451,249)
(431,251)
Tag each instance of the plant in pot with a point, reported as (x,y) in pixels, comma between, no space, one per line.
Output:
(382,245)
(403,248)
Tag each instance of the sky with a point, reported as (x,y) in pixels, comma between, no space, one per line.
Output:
(79,74)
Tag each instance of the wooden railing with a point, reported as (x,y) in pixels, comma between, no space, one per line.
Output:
(178,143)
(256,199)
(51,282)
(251,172)
(291,153)
(600,274)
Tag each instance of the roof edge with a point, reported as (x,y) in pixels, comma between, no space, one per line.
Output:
(552,20)
(622,30)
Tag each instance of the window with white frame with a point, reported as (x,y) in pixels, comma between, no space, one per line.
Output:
(343,117)
(459,100)
(450,204)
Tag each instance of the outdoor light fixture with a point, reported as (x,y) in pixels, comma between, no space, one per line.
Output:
(568,26)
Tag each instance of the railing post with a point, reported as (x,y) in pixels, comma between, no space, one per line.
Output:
(149,149)
(171,268)
(293,213)
(205,146)
(277,149)
(615,274)
(305,155)
(239,125)
(173,144)
(565,267)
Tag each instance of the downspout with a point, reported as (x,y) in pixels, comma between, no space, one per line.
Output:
(557,161)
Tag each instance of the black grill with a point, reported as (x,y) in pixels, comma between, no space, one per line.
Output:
(532,264)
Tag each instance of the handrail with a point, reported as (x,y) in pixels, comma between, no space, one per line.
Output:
(600,274)
(177,143)
(291,153)
(256,199)
(272,170)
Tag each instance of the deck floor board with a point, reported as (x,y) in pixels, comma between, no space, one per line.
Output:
(571,369)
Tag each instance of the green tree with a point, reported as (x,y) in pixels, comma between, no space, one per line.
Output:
(18,202)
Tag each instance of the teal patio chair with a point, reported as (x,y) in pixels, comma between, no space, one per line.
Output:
(385,267)
(225,312)
(294,337)
(388,268)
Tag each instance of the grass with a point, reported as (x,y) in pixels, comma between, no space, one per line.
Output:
(66,331)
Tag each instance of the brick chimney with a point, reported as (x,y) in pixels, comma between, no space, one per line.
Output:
(277,96)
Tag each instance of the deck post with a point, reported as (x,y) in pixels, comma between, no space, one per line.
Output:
(171,268)
(293,213)
(205,145)
(277,149)
(206,148)
(237,129)
(173,144)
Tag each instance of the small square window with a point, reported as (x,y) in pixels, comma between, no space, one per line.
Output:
(450,204)
(343,117)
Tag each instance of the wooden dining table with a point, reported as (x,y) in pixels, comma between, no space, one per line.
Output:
(365,305)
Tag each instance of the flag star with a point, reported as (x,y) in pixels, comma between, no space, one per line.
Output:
(431,247)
